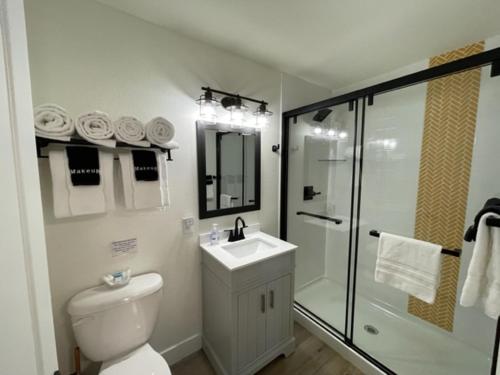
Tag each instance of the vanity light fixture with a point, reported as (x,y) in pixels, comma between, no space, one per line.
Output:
(343,135)
(331,133)
(237,110)
(208,106)
(234,104)
(317,130)
(262,116)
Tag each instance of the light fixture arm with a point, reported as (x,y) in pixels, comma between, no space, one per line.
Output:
(208,89)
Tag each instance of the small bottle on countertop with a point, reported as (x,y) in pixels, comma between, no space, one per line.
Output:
(214,234)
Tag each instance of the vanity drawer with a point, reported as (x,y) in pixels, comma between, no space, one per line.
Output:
(262,272)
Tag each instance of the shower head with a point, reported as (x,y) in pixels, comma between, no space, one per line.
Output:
(322,114)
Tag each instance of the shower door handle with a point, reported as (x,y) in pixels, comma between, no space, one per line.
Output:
(263,303)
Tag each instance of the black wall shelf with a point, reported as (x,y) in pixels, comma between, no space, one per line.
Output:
(44,142)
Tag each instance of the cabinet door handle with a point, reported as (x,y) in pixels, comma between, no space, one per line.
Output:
(271,299)
(263,303)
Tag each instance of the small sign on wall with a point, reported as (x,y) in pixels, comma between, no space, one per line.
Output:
(124,247)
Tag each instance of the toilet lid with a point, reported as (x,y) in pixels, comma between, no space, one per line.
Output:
(142,361)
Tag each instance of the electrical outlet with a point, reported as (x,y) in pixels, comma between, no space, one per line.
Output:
(187,225)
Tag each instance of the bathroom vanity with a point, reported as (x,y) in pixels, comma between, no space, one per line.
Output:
(247,302)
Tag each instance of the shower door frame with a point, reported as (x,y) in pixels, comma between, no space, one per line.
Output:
(365,97)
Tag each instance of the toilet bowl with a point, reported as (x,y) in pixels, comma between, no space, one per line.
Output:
(141,361)
(113,326)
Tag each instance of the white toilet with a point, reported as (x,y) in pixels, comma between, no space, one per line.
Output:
(114,326)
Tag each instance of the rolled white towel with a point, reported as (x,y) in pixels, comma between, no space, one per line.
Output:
(130,130)
(160,131)
(172,145)
(53,122)
(96,127)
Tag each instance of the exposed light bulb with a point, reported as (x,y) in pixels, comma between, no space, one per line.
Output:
(343,135)
(331,133)
(208,106)
(261,121)
(262,116)
(317,130)
(237,113)
(207,111)
(237,117)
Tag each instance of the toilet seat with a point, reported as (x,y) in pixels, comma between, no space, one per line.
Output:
(142,361)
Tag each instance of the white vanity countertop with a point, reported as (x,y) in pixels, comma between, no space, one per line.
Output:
(276,247)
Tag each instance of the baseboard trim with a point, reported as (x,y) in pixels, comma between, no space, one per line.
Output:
(213,358)
(182,349)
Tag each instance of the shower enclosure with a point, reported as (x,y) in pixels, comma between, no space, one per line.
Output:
(359,163)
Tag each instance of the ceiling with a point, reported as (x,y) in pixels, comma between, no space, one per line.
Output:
(333,43)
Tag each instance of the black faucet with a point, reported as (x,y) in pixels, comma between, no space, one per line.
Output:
(237,233)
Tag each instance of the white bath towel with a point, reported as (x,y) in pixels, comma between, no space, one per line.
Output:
(72,200)
(172,145)
(483,276)
(130,130)
(226,201)
(210,191)
(53,122)
(160,131)
(410,265)
(144,194)
(96,127)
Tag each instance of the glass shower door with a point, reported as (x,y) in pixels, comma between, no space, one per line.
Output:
(425,176)
(320,183)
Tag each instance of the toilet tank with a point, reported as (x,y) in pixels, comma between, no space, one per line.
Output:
(111,322)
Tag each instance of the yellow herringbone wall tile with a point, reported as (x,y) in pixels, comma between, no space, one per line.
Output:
(445,160)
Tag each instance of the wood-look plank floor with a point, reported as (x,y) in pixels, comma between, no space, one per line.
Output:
(311,357)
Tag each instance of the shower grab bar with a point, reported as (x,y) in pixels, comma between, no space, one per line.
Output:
(335,220)
(454,253)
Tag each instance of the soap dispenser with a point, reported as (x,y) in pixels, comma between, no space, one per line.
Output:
(214,234)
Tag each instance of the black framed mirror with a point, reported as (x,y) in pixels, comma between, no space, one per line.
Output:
(228,170)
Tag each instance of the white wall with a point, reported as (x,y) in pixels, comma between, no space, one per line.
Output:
(86,56)
(297,92)
(27,339)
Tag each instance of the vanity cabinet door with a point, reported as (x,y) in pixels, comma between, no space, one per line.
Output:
(251,315)
(279,307)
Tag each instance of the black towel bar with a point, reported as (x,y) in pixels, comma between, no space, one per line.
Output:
(328,218)
(454,253)
(493,222)
(44,142)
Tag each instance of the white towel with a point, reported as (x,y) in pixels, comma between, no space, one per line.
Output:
(96,127)
(410,265)
(160,132)
(144,194)
(72,200)
(172,145)
(226,201)
(53,122)
(483,275)
(130,130)
(210,192)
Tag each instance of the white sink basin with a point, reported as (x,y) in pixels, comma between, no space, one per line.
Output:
(244,248)
(257,247)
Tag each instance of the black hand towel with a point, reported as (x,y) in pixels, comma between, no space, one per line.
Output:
(491,205)
(145,165)
(83,165)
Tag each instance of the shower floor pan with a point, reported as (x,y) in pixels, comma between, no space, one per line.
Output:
(401,344)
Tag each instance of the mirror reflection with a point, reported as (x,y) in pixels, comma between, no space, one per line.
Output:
(230,169)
